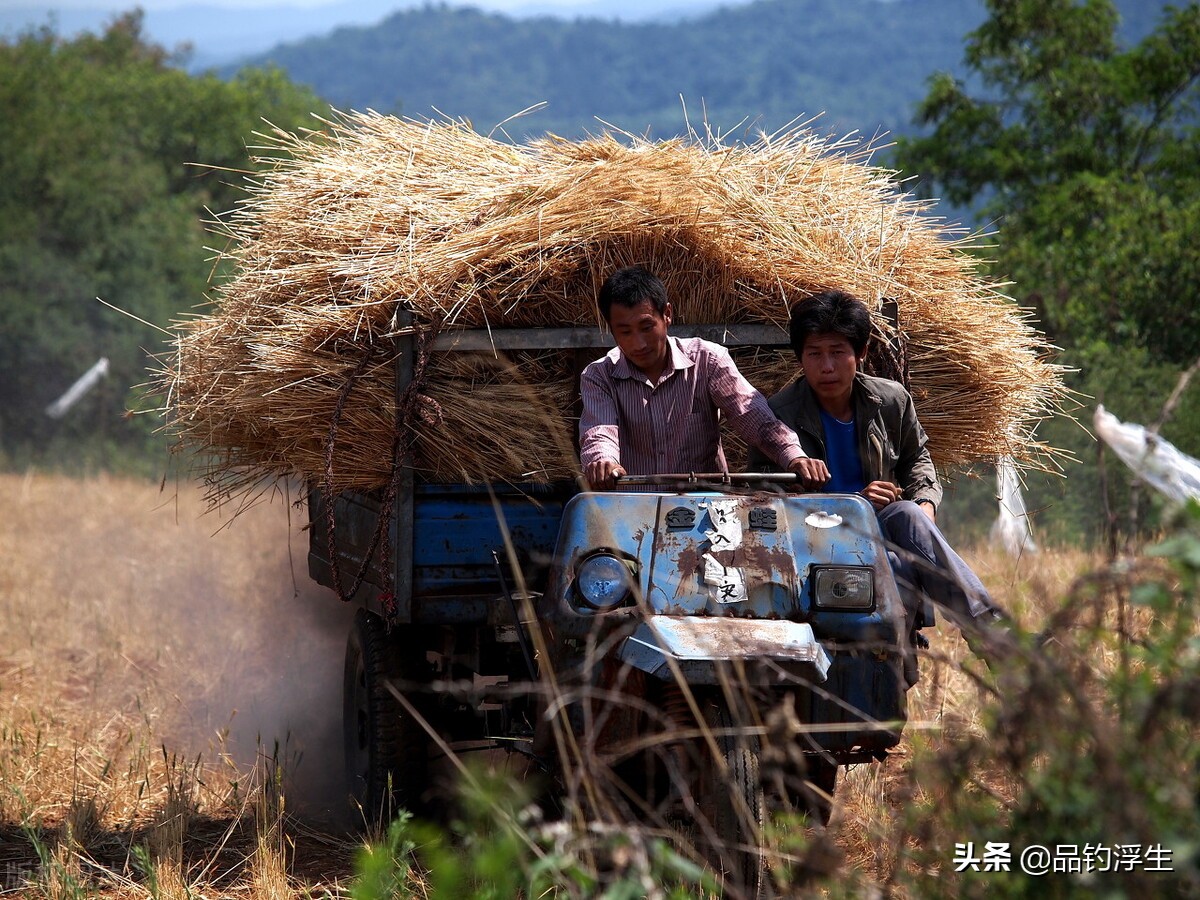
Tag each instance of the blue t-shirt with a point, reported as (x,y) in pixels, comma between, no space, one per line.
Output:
(841,455)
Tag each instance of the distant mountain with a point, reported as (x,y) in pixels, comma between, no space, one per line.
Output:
(218,35)
(864,63)
(861,62)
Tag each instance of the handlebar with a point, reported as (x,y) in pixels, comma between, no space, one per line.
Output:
(710,478)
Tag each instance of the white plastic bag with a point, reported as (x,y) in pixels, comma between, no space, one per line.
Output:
(1011,529)
(1156,462)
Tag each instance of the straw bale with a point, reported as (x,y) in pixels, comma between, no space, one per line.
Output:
(374,214)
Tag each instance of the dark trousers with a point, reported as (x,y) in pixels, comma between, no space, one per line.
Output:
(926,566)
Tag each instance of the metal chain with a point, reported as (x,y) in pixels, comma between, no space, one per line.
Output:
(401,456)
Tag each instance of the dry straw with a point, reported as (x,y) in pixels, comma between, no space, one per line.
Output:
(374,214)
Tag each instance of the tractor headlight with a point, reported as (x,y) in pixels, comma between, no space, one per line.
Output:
(843,587)
(604,581)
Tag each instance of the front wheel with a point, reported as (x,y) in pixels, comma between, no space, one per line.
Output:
(730,793)
(386,749)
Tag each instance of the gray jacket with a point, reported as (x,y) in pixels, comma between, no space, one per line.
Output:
(891,442)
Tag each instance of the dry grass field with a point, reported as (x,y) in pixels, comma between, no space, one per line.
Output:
(170,698)
(153,657)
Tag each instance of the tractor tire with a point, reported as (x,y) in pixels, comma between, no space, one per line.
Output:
(731,793)
(386,749)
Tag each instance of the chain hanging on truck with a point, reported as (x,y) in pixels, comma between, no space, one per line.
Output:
(401,456)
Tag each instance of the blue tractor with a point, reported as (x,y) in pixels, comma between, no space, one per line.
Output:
(687,650)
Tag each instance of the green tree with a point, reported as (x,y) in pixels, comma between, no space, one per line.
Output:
(1087,155)
(110,159)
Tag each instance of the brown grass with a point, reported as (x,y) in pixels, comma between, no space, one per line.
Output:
(141,656)
(945,704)
(136,626)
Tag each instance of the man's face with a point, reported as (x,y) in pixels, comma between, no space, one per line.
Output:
(641,334)
(829,365)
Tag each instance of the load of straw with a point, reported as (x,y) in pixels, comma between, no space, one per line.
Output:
(292,372)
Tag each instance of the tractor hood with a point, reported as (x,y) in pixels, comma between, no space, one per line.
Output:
(755,556)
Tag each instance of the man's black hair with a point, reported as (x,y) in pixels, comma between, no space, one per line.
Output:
(629,287)
(831,312)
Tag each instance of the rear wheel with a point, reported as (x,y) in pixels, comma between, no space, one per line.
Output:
(386,749)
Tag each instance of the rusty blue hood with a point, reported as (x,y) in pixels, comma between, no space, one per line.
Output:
(744,556)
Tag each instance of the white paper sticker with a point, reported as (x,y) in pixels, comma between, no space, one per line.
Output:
(726,531)
(726,585)
(714,570)
(732,588)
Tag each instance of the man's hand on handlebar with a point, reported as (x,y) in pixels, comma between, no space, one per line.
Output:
(603,473)
(813,473)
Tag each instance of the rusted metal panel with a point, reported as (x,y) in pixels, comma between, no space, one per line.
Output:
(723,556)
(616,521)
(842,530)
(741,556)
(691,639)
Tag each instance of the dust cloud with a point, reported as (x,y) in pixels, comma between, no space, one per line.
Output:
(138,619)
(262,649)
(289,704)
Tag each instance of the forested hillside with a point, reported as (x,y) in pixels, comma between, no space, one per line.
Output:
(863,63)
(859,61)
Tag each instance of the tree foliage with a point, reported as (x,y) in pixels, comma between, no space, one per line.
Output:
(109,158)
(1086,153)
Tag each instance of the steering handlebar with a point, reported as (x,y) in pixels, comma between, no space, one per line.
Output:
(709,478)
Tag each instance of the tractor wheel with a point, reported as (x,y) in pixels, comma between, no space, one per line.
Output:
(386,748)
(730,794)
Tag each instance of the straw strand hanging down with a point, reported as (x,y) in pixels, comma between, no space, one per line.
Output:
(375,211)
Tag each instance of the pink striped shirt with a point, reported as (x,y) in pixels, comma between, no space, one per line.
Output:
(672,426)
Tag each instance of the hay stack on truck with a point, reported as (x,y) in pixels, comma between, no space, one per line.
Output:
(411,309)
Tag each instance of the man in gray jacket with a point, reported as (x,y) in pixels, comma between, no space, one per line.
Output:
(866,431)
